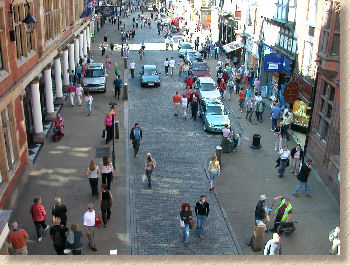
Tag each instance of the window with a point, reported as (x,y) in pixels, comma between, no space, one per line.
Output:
(330,42)
(325,112)
(311,15)
(53,18)
(7,127)
(78,7)
(2,37)
(336,36)
(291,10)
(286,10)
(307,58)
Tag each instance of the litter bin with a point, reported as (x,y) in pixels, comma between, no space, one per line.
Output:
(256,141)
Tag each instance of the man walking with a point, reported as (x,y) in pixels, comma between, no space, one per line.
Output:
(117,85)
(273,246)
(302,177)
(260,209)
(89,224)
(275,115)
(166,66)
(202,211)
(38,214)
(194,107)
(284,160)
(17,237)
(284,212)
(132,68)
(136,136)
(177,103)
(172,66)
(71,92)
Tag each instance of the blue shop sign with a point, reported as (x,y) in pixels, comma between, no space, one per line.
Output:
(273,62)
(266,50)
(107,11)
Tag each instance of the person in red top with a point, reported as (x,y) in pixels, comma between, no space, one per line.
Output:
(17,237)
(109,127)
(222,88)
(242,95)
(71,92)
(38,214)
(188,93)
(189,81)
(177,103)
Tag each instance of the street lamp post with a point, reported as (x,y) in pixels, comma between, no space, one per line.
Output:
(113,113)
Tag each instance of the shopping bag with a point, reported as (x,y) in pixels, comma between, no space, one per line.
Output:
(143,178)
(182,223)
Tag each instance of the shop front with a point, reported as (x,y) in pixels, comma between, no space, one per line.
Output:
(251,58)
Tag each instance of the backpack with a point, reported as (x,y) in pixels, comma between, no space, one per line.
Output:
(57,237)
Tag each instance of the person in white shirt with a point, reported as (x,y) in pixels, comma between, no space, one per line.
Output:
(132,68)
(172,65)
(89,224)
(284,160)
(184,105)
(79,92)
(167,42)
(166,66)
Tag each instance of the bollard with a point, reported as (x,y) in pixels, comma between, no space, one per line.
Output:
(116,129)
(218,153)
(258,237)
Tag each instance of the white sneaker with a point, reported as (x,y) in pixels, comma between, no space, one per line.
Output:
(39,239)
(47,227)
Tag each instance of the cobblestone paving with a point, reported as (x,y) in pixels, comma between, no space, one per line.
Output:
(181,149)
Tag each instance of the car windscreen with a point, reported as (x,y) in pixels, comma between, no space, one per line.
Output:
(200,67)
(94,73)
(216,110)
(150,72)
(186,46)
(191,54)
(207,87)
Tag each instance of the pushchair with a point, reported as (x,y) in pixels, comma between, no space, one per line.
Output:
(285,227)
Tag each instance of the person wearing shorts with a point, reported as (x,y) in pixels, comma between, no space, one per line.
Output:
(177,100)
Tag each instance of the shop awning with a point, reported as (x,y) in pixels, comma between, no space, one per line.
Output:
(232,46)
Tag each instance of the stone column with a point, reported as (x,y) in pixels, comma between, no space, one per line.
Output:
(58,81)
(76,50)
(88,37)
(71,57)
(84,42)
(65,68)
(81,40)
(37,115)
(50,110)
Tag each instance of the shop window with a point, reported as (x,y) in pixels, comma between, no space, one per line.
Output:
(326,111)
(7,132)
(336,37)
(330,45)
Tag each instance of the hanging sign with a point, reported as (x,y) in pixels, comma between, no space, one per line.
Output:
(107,11)
(291,92)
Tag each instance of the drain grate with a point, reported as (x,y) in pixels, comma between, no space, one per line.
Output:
(102,151)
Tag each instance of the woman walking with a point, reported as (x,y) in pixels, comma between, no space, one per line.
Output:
(106,199)
(184,104)
(93,173)
(88,100)
(181,66)
(107,172)
(297,157)
(284,160)
(108,63)
(60,210)
(74,239)
(141,52)
(214,170)
(109,127)
(150,164)
(186,218)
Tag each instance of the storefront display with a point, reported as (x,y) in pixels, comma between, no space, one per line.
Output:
(300,116)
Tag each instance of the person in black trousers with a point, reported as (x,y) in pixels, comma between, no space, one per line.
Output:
(106,199)
(117,85)
(202,211)
(60,210)
(302,177)
(58,235)
(194,107)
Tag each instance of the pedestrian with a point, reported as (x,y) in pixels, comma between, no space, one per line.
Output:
(222,88)
(111,46)
(273,246)
(89,220)
(286,124)
(71,92)
(257,85)
(186,68)
(297,157)
(214,171)
(79,93)
(278,135)
(189,81)
(242,95)
(260,210)
(105,37)
(184,105)
(38,215)
(88,100)
(60,210)
(117,86)
(303,177)
(106,199)
(171,66)
(166,66)
(72,77)
(194,107)
(230,86)
(238,82)
(181,66)
(143,45)
(109,127)
(202,211)
(103,49)
(141,53)
(250,108)
(107,171)
(116,69)
(136,137)
(283,160)
(275,115)
(78,70)
(219,74)
(74,238)
(225,75)
(17,237)
(188,93)
(186,218)
(259,107)
(150,164)
(284,212)
(132,68)
(58,235)
(93,173)
(177,103)
(108,63)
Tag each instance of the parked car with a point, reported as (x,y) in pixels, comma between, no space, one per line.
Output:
(184,47)
(150,76)
(94,78)
(193,56)
(214,115)
(207,88)
(200,69)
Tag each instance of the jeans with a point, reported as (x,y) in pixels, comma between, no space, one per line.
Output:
(259,116)
(285,130)
(300,186)
(222,92)
(241,103)
(238,87)
(185,75)
(200,223)
(105,213)
(132,73)
(107,179)
(212,176)
(117,91)
(186,232)
(94,186)
(136,145)
(249,114)
(283,165)
(166,69)
(274,124)
(39,224)
(149,174)
(295,165)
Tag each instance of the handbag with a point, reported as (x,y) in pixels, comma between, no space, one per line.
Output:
(182,223)
(143,177)
(191,222)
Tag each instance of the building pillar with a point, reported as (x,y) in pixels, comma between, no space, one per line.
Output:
(58,81)
(76,50)
(38,136)
(81,40)
(65,68)
(71,57)
(50,110)
(84,42)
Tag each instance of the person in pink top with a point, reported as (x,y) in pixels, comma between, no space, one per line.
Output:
(109,127)
(79,92)
(71,92)
(38,214)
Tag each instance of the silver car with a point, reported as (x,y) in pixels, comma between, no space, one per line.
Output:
(94,78)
